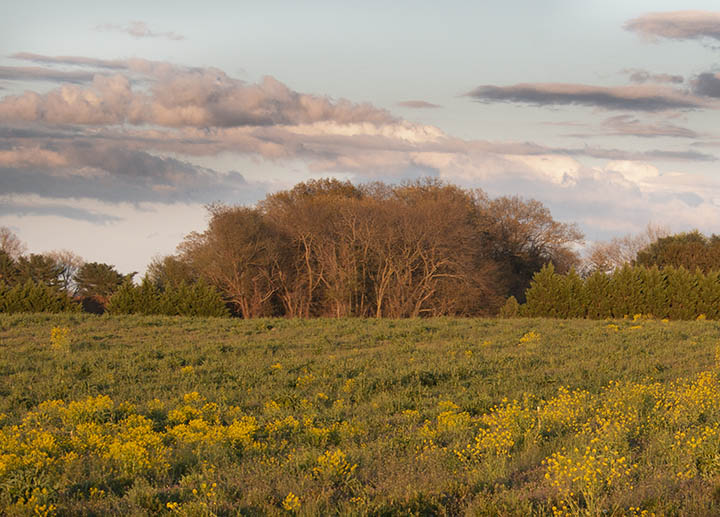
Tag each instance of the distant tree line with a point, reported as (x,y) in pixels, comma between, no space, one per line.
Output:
(53,282)
(654,273)
(63,282)
(334,249)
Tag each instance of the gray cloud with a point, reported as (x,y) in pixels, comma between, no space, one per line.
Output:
(418,104)
(11,207)
(33,73)
(654,154)
(112,173)
(629,125)
(139,29)
(71,60)
(707,84)
(530,149)
(639,76)
(678,25)
(636,98)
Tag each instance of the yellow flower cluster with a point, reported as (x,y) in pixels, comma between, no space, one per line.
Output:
(304,380)
(334,466)
(291,503)
(501,428)
(60,338)
(591,474)
(698,451)
(530,337)
(564,412)
(120,442)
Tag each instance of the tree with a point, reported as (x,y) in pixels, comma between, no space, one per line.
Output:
(170,270)
(690,250)
(9,272)
(69,264)
(31,296)
(99,280)
(10,243)
(427,261)
(40,269)
(238,254)
(329,248)
(312,270)
(521,236)
(608,256)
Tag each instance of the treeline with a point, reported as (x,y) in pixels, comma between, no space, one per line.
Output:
(667,292)
(53,282)
(331,248)
(63,282)
(425,248)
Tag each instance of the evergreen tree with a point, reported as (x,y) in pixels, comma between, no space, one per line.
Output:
(683,293)
(541,299)
(39,269)
(9,272)
(34,297)
(98,279)
(598,295)
(626,292)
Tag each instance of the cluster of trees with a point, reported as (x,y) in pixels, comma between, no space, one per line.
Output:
(54,281)
(34,297)
(331,248)
(667,292)
(62,282)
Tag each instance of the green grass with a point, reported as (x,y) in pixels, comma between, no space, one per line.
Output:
(396,368)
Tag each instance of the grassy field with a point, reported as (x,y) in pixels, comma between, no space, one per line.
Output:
(179,416)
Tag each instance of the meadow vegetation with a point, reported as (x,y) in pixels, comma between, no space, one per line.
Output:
(140,415)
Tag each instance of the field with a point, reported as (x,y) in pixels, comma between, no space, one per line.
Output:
(181,416)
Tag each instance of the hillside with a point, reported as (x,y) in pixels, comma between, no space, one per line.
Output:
(374,417)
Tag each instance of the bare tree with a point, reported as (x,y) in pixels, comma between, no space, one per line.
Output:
(11,244)
(237,254)
(69,263)
(608,256)
(521,236)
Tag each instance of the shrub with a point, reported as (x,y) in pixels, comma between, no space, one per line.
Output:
(196,299)
(35,297)
(511,308)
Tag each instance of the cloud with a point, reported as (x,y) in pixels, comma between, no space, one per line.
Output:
(33,73)
(630,125)
(139,29)
(639,76)
(707,84)
(113,173)
(655,154)
(679,25)
(39,207)
(181,97)
(139,130)
(418,104)
(30,157)
(71,60)
(636,98)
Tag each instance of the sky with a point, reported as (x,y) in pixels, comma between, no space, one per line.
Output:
(120,122)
